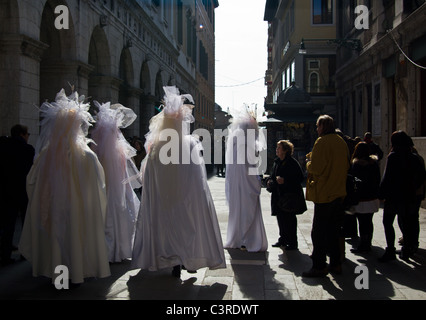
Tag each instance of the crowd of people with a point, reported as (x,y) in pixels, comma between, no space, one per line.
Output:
(88,202)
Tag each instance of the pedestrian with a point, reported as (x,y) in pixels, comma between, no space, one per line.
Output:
(327,169)
(365,167)
(15,163)
(177,224)
(403,176)
(65,221)
(140,152)
(350,225)
(420,196)
(286,179)
(220,167)
(374,147)
(115,155)
(245,230)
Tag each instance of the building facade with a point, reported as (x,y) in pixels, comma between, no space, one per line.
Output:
(121,51)
(306,23)
(301,71)
(382,88)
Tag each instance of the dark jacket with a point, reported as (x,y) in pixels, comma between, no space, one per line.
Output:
(291,171)
(16,161)
(375,150)
(368,171)
(404,174)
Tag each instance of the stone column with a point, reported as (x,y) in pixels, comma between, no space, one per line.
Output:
(147,111)
(20,58)
(133,102)
(103,88)
(83,72)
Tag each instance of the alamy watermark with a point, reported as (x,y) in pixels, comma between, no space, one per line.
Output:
(176,150)
(62,21)
(63,279)
(362,282)
(362,20)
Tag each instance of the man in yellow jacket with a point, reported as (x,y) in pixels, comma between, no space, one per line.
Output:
(327,167)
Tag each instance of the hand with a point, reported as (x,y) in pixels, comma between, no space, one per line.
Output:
(280,180)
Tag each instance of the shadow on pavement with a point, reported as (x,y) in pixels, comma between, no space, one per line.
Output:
(161,285)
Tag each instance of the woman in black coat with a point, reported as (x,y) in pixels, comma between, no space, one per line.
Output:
(286,177)
(365,167)
(404,174)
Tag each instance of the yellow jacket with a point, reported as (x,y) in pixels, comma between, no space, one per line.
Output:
(327,169)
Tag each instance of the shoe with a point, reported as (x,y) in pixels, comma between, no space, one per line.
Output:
(243,248)
(176,271)
(337,269)
(7,262)
(315,273)
(278,245)
(406,253)
(189,271)
(389,255)
(290,248)
(404,256)
(361,249)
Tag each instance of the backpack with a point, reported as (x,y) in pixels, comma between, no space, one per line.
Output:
(353,188)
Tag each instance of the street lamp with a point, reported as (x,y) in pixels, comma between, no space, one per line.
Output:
(353,44)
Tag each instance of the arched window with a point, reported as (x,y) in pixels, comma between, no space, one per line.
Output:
(314,82)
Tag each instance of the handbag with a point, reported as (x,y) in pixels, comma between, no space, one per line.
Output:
(293,203)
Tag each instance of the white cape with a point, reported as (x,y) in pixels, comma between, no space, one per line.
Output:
(177,222)
(243,186)
(74,235)
(115,153)
(245,222)
(65,219)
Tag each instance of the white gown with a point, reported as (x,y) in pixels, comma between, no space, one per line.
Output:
(177,222)
(115,153)
(245,222)
(65,219)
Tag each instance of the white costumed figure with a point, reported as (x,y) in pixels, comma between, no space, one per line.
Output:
(243,185)
(177,223)
(115,155)
(65,219)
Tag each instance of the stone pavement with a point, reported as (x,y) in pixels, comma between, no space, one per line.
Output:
(272,275)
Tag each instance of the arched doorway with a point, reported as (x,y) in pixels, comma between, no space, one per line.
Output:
(126,77)
(159,92)
(146,100)
(57,66)
(9,68)
(125,93)
(99,82)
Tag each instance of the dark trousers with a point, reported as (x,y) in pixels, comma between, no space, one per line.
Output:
(287,224)
(408,221)
(365,222)
(12,209)
(326,230)
(220,168)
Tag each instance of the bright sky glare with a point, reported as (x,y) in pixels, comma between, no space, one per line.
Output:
(241,53)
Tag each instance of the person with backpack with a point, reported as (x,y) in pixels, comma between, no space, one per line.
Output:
(365,167)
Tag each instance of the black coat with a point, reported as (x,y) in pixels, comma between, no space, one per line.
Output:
(16,160)
(291,171)
(368,171)
(404,174)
